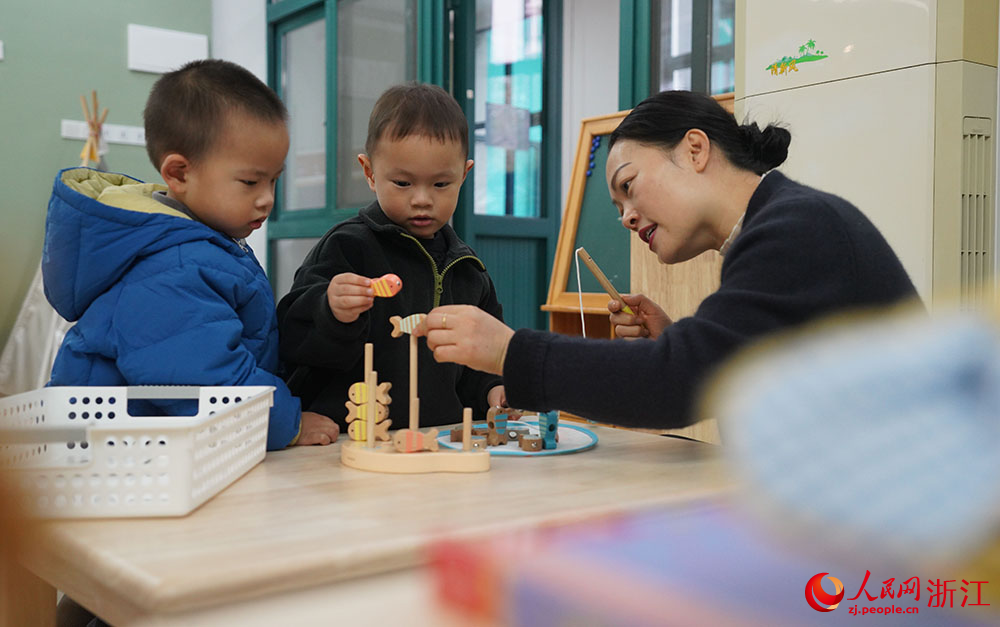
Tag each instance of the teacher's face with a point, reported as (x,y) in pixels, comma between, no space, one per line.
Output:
(659,196)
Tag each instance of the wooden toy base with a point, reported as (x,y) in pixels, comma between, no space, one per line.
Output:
(383,457)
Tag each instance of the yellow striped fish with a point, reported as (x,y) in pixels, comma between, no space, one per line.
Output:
(405,325)
(358,393)
(387,285)
(358,430)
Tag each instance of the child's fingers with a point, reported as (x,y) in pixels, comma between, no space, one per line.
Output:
(317,429)
(349,278)
(355,303)
(320,438)
(339,290)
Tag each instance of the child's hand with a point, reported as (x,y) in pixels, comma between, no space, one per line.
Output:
(317,429)
(349,296)
(496,397)
(648,321)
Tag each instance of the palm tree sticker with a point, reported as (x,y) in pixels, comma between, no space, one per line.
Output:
(787,65)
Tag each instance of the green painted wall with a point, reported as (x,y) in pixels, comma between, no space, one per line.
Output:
(54,51)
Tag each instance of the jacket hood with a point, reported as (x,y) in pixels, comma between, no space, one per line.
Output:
(98,225)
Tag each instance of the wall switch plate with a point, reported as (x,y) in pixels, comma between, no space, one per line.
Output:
(1,50)
(112,133)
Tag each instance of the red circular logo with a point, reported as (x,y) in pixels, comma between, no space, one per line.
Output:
(815,594)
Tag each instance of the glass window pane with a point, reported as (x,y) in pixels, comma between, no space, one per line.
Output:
(675,44)
(376,48)
(722,79)
(303,87)
(507,139)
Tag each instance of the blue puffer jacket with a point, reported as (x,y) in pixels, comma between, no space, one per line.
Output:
(160,299)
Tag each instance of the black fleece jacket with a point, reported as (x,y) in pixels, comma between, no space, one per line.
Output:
(323,357)
(801,254)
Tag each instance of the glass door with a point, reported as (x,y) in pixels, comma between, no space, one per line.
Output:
(351,50)
(509,79)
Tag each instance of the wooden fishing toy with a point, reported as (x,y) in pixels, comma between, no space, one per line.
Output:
(548,428)
(410,441)
(359,412)
(602,278)
(531,444)
(405,325)
(524,436)
(367,414)
(410,450)
(387,285)
(358,393)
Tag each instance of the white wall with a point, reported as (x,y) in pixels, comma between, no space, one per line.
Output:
(239,34)
(590,71)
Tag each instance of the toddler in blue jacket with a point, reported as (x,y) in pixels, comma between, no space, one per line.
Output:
(160,280)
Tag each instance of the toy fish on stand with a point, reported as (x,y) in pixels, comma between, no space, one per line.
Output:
(358,393)
(412,441)
(358,412)
(358,430)
(405,325)
(548,429)
(387,285)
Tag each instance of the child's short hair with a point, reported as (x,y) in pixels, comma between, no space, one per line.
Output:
(417,109)
(188,106)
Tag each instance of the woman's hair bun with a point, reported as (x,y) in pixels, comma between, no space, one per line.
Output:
(767,148)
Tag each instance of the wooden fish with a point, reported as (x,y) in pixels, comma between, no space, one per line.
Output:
(494,435)
(358,393)
(358,412)
(387,285)
(530,443)
(405,325)
(478,443)
(412,441)
(548,428)
(358,430)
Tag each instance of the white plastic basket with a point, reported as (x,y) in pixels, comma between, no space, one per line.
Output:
(77,452)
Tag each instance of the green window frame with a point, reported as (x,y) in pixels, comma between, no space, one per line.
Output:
(640,46)
(284,16)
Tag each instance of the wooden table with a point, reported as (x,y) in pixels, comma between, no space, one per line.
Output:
(301,539)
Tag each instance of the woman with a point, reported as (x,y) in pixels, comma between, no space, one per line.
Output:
(687,178)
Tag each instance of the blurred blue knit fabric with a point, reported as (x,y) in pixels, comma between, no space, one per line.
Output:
(884,433)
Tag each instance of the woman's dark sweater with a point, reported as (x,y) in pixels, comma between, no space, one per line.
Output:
(801,254)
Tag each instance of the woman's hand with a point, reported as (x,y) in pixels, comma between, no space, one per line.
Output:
(466,335)
(649,320)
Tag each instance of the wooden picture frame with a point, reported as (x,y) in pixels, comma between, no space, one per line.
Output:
(563,302)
